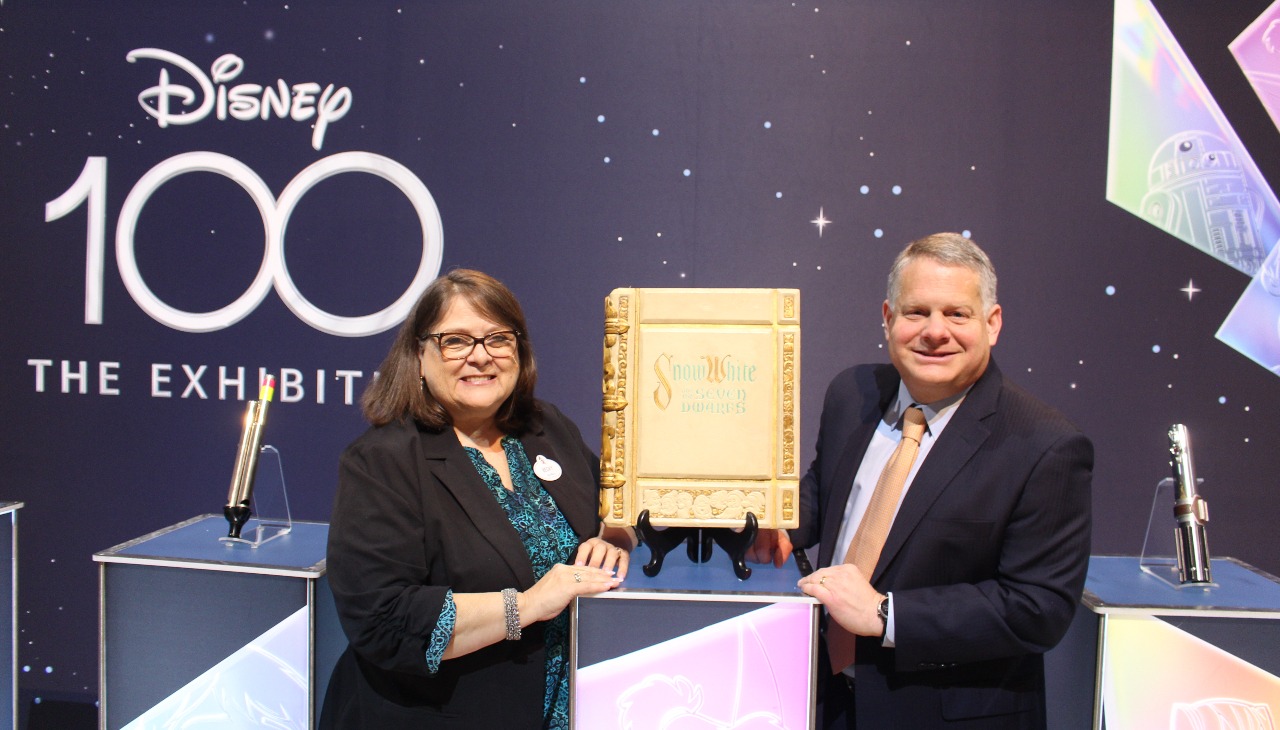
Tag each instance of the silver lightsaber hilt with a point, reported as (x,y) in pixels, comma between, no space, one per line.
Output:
(240,495)
(1190,510)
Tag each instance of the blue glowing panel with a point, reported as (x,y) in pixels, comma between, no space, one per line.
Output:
(262,685)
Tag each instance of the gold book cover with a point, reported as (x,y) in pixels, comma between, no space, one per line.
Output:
(701,412)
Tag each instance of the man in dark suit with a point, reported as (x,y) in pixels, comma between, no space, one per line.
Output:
(943,585)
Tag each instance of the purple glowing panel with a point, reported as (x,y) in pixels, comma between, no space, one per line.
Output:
(751,672)
(1253,327)
(1257,50)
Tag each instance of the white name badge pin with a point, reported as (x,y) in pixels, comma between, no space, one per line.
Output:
(546,469)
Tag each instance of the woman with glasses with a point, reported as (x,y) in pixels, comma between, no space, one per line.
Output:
(464,523)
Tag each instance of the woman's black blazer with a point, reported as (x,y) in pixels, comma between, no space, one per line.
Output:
(411,520)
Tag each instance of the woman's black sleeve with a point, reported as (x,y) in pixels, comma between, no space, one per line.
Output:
(378,566)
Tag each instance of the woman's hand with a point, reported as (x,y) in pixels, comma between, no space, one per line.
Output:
(598,553)
(549,596)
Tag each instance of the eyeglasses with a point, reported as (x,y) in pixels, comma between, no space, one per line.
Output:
(456,345)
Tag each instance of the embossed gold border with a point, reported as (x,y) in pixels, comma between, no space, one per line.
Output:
(694,503)
(788,403)
(613,454)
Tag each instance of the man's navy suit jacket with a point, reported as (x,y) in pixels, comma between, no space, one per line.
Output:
(986,558)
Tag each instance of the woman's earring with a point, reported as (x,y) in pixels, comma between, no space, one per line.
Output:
(423,380)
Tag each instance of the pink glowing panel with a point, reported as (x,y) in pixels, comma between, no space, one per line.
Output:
(751,672)
(1257,50)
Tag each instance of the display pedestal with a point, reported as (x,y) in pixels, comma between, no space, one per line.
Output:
(695,645)
(9,614)
(191,627)
(1142,653)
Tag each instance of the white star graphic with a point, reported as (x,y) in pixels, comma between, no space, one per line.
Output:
(1190,289)
(821,222)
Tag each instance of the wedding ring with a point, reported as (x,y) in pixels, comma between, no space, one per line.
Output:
(619,551)
(822,580)
(577,577)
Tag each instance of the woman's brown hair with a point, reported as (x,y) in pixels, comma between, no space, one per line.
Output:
(399,389)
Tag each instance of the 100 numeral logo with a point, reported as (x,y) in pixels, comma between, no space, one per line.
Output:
(91,186)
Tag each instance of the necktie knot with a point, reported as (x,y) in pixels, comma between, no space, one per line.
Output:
(913,424)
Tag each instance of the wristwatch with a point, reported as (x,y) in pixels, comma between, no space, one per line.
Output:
(883,610)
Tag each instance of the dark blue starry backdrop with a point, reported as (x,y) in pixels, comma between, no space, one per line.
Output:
(567,148)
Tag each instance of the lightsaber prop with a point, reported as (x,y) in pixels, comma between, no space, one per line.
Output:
(240,496)
(1190,510)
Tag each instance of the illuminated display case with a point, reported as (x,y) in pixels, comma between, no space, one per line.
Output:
(192,628)
(1142,653)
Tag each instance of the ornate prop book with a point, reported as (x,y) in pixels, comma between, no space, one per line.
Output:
(701,416)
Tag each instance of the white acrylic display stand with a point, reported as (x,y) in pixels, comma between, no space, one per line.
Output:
(270,502)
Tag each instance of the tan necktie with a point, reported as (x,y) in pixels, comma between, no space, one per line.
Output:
(868,541)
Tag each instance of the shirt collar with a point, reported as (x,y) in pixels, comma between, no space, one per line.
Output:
(933,412)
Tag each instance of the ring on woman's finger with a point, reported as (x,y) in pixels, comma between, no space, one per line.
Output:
(619,551)
(577,577)
(822,580)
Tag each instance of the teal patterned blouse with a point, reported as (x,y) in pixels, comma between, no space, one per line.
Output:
(548,540)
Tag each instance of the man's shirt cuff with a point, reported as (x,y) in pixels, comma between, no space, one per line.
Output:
(888,626)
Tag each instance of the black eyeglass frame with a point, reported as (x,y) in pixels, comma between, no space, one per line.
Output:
(482,341)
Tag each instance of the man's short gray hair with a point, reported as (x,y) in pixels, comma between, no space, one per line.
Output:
(948,249)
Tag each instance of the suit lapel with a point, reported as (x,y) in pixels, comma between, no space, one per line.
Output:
(578,512)
(953,449)
(847,468)
(453,468)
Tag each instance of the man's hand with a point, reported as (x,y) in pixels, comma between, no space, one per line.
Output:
(850,599)
(770,546)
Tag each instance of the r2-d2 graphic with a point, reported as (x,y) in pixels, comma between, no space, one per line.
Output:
(1199,193)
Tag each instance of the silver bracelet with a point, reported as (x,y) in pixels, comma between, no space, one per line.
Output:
(512,610)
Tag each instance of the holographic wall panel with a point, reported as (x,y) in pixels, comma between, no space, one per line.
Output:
(1253,326)
(1174,159)
(1257,50)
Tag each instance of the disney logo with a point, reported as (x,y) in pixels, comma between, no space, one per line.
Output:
(242,101)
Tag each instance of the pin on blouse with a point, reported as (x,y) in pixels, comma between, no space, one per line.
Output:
(546,469)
